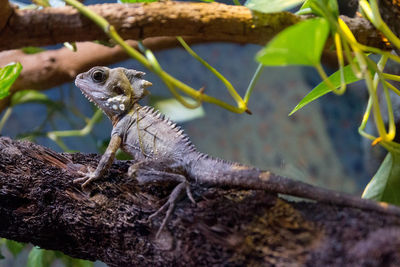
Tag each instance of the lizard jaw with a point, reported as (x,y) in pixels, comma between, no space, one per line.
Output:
(82,86)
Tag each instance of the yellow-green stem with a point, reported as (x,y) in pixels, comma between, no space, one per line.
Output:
(5,117)
(253,81)
(379,77)
(111,32)
(339,53)
(391,77)
(372,92)
(228,85)
(54,135)
(391,87)
(157,69)
(372,13)
(324,77)
(365,120)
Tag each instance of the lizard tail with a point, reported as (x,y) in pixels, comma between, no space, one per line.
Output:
(214,172)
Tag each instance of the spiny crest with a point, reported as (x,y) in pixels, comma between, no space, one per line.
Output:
(132,74)
(178,130)
(137,82)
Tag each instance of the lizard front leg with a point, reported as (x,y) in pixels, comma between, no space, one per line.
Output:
(104,164)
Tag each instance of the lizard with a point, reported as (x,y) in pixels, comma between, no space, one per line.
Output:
(149,137)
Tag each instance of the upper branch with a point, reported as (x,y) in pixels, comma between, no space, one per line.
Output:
(216,22)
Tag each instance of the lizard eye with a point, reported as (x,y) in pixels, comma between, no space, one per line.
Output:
(98,76)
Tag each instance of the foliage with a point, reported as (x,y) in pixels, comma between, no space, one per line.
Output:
(14,247)
(8,75)
(322,88)
(42,258)
(384,185)
(297,44)
(310,36)
(32,49)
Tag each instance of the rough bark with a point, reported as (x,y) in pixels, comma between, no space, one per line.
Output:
(217,22)
(40,204)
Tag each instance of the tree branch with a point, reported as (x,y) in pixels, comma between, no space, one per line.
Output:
(40,204)
(217,22)
(5,13)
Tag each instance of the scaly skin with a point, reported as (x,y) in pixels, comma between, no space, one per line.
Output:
(148,136)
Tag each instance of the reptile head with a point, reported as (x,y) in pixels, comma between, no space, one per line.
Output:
(113,90)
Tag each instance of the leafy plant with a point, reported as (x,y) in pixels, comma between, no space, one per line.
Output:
(41,258)
(8,75)
(14,247)
(302,44)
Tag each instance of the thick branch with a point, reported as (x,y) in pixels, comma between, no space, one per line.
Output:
(217,22)
(5,13)
(40,204)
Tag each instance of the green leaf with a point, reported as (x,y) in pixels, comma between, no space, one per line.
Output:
(270,6)
(322,88)
(385,185)
(35,257)
(69,261)
(28,96)
(72,262)
(307,4)
(333,7)
(32,49)
(300,44)
(8,75)
(175,111)
(14,247)
(2,241)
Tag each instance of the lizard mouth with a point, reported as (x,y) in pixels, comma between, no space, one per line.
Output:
(85,89)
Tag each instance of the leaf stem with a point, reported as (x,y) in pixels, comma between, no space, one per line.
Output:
(339,53)
(252,83)
(5,117)
(365,120)
(55,135)
(228,85)
(112,33)
(324,77)
(372,13)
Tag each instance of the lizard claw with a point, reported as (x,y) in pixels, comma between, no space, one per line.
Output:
(175,195)
(144,173)
(87,177)
(132,170)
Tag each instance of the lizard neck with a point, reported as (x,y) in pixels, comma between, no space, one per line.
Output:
(116,118)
